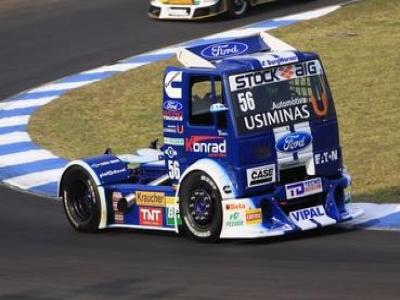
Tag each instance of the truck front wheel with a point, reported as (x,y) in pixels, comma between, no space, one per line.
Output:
(200,207)
(81,199)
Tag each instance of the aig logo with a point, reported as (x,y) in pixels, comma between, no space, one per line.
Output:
(150,216)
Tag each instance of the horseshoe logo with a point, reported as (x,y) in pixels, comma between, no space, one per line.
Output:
(320,112)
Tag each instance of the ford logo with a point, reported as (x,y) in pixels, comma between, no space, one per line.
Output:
(172,105)
(294,141)
(221,50)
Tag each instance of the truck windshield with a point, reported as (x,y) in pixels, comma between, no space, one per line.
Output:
(280,96)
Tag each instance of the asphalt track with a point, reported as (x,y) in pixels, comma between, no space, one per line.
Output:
(41,257)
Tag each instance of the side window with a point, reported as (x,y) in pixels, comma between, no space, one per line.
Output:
(204,92)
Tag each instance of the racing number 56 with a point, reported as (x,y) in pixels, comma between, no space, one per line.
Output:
(246,101)
(173,169)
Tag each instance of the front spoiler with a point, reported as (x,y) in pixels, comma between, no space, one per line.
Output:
(261,216)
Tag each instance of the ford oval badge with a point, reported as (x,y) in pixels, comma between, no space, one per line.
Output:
(218,51)
(172,105)
(294,141)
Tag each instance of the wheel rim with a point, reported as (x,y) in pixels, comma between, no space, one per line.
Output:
(201,207)
(239,6)
(82,201)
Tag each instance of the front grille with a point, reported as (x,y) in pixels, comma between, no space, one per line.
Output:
(304,202)
(293,175)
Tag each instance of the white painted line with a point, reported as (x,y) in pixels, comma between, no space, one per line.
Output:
(25,157)
(119,67)
(14,121)
(10,105)
(238,33)
(14,137)
(313,14)
(34,179)
(61,86)
(372,211)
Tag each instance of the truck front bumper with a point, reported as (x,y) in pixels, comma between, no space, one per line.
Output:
(186,12)
(272,214)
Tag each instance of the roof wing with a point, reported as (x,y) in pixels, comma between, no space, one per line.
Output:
(207,55)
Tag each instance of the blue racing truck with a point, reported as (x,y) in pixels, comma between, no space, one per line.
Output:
(251,149)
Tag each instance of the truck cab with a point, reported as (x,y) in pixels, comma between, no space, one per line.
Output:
(250,148)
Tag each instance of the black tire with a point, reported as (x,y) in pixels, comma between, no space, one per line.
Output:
(81,200)
(237,8)
(200,207)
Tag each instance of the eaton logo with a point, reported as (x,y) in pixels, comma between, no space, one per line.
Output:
(222,50)
(172,105)
(293,142)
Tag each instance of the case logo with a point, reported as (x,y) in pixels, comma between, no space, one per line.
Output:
(293,142)
(222,50)
(261,175)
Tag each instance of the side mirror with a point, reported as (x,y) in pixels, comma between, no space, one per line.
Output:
(217,108)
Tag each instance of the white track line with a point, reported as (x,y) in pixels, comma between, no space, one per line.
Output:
(14,121)
(16,104)
(34,179)
(61,86)
(121,67)
(14,137)
(24,157)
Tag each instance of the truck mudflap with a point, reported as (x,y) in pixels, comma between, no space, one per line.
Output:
(273,214)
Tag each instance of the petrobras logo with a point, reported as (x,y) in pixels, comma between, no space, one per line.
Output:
(214,146)
(293,142)
(260,175)
(172,105)
(303,188)
(307,213)
(218,51)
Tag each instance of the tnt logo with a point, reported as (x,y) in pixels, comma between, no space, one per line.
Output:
(286,72)
(150,216)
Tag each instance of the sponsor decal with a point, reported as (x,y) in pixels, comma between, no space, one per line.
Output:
(172,115)
(307,213)
(104,163)
(170,152)
(231,206)
(214,146)
(170,216)
(221,50)
(260,175)
(111,173)
(235,220)
(271,75)
(179,12)
(303,188)
(156,199)
(272,60)
(173,129)
(171,90)
(320,107)
(326,157)
(150,216)
(253,216)
(174,141)
(293,142)
(118,216)
(172,105)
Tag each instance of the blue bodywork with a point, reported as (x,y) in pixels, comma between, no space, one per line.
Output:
(285,163)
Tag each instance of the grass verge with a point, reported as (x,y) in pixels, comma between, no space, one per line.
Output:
(359,46)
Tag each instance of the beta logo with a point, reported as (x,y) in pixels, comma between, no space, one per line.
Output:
(150,216)
(293,142)
(214,146)
(303,188)
(261,175)
(307,213)
(218,51)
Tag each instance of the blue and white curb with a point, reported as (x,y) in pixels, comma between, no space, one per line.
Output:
(23,164)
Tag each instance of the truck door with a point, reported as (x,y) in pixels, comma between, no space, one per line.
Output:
(206,132)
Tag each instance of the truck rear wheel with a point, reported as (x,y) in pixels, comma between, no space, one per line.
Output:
(81,200)
(200,207)
(237,8)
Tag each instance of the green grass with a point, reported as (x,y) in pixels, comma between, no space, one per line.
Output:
(359,45)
